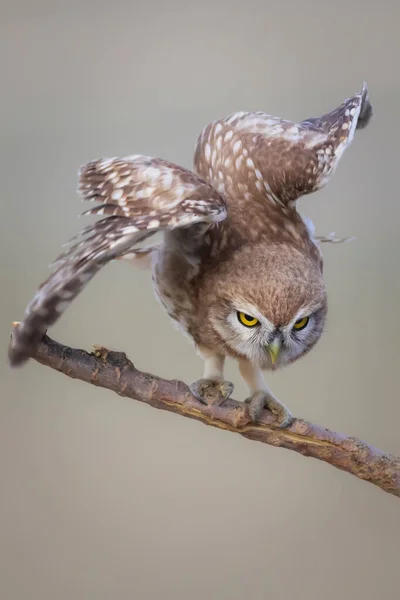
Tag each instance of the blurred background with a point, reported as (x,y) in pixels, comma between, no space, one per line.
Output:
(102,497)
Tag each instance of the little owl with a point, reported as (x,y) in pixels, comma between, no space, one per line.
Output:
(238,269)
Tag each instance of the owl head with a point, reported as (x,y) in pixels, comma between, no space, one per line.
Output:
(267,305)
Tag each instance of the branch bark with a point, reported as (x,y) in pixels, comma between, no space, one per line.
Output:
(114,371)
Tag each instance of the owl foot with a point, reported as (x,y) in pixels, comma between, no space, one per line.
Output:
(211,392)
(260,400)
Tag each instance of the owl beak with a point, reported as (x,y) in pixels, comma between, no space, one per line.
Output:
(274,349)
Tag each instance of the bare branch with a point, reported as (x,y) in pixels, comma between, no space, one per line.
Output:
(114,371)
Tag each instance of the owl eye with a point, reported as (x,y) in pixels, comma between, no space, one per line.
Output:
(247,320)
(301,323)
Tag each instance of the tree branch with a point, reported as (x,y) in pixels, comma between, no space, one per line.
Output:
(114,371)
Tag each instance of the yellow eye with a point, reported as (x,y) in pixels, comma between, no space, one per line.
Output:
(247,320)
(301,323)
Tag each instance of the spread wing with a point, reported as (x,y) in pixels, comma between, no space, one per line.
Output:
(248,155)
(138,196)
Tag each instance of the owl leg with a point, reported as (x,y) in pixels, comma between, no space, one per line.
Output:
(212,389)
(261,396)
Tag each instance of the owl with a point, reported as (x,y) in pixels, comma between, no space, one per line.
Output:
(238,269)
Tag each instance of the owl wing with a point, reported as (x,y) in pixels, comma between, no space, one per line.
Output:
(251,154)
(138,196)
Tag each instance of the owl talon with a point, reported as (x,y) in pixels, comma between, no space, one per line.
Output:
(211,392)
(260,400)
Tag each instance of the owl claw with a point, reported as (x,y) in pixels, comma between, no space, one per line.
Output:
(211,392)
(260,400)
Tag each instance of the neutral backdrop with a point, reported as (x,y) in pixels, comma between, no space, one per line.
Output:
(105,498)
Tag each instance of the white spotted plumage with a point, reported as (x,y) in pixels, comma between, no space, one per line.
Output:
(232,237)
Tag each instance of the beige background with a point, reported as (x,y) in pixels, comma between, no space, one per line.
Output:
(104,498)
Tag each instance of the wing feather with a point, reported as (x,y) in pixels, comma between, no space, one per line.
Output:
(252,155)
(139,196)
